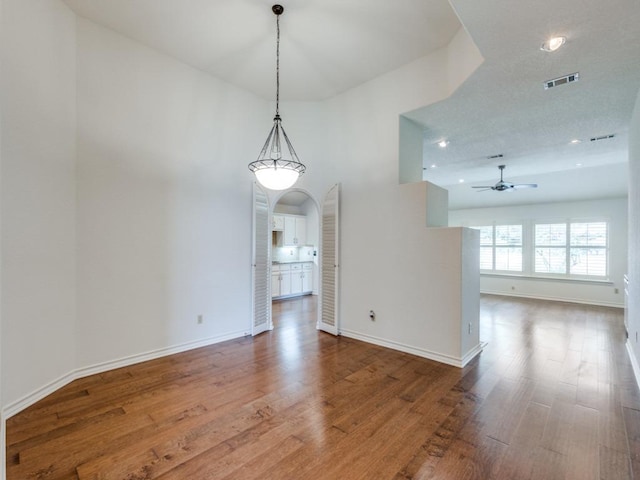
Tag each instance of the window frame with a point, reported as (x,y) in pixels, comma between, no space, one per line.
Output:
(495,246)
(529,246)
(568,247)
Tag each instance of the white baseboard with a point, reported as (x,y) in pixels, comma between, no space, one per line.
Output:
(471,354)
(153,354)
(420,352)
(553,299)
(37,395)
(634,362)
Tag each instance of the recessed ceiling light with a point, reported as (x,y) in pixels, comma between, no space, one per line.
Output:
(434,166)
(575,140)
(553,44)
(443,143)
(461,180)
(578,164)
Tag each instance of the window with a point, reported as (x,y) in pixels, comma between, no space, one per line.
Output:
(486,247)
(588,249)
(551,248)
(500,248)
(508,248)
(571,249)
(566,249)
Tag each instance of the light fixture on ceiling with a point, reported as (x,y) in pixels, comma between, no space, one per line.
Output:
(278,166)
(575,141)
(443,143)
(553,44)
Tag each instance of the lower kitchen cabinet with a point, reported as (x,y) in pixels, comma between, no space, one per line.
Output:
(288,280)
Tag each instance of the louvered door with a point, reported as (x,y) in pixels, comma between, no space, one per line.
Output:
(328,320)
(260,265)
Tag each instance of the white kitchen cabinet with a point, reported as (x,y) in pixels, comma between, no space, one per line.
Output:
(291,279)
(301,278)
(307,277)
(280,281)
(296,279)
(275,284)
(277,223)
(295,230)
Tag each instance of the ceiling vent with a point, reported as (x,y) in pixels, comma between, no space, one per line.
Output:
(493,157)
(574,77)
(603,137)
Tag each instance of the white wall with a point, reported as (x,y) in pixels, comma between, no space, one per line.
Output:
(3,442)
(615,210)
(389,261)
(634,237)
(38,197)
(144,202)
(164,200)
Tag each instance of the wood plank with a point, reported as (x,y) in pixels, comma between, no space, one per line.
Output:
(552,396)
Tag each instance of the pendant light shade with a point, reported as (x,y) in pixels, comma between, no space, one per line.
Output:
(278,166)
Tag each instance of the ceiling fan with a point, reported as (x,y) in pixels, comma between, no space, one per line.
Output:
(503,186)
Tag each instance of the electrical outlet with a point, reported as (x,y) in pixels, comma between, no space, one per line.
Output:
(372,315)
(616,291)
(200,319)
(512,287)
(469,327)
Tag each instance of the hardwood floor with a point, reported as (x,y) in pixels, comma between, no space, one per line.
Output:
(552,396)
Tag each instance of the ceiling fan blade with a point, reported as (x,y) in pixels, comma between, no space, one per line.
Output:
(484,186)
(526,185)
(483,190)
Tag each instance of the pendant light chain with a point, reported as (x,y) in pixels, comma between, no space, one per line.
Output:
(278,166)
(278,66)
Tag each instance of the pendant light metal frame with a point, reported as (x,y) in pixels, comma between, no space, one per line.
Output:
(272,160)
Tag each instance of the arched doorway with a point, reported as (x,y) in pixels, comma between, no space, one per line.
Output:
(275,245)
(295,246)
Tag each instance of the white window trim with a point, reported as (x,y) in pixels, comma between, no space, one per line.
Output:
(528,250)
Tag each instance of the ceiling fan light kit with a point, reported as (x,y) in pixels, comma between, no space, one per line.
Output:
(503,186)
(278,166)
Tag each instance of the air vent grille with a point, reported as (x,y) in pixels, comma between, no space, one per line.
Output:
(603,137)
(574,77)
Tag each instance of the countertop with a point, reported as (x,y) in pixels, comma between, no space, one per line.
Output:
(292,261)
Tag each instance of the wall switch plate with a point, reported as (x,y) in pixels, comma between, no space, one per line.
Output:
(200,319)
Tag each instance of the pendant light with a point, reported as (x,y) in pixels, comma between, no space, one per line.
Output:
(278,166)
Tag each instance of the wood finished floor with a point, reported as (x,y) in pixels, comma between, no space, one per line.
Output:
(551,397)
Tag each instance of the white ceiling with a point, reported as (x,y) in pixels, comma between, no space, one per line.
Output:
(329,46)
(504,109)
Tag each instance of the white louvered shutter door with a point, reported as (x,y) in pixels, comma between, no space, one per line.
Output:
(330,262)
(261,275)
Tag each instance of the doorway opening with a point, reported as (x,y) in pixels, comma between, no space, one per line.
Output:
(294,247)
(291,229)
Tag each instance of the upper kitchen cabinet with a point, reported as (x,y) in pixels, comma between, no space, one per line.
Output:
(277,223)
(295,230)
